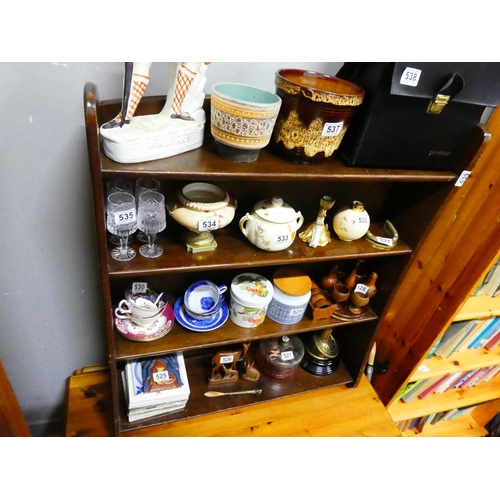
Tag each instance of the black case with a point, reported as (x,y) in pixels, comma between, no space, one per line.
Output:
(394,128)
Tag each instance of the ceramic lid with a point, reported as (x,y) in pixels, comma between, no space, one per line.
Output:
(292,281)
(282,352)
(275,210)
(252,290)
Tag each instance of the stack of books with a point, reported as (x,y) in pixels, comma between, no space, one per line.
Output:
(490,286)
(155,386)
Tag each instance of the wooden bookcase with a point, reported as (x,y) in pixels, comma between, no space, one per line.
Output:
(452,258)
(410,199)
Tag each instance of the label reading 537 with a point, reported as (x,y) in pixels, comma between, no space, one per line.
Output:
(332,129)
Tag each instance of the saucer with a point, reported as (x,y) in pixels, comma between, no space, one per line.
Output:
(197,325)
(158,329)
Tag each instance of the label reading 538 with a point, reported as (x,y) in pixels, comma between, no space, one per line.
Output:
(332,129)
(410,77)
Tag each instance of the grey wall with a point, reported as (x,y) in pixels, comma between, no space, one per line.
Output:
(50,302)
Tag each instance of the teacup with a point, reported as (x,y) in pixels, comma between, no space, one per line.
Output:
(137,319)
(140,308)
(203,298)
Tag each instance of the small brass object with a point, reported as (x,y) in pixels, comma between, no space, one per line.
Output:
(437,104)
(392,239)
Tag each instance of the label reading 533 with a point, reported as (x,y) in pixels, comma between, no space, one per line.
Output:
(282,238)
(332,129)
(208,224)
(125,217)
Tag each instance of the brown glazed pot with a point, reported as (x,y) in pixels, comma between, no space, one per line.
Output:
(315,112)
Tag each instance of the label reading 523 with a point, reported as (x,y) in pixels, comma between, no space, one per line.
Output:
(208,224)
(125,217)
(332,129)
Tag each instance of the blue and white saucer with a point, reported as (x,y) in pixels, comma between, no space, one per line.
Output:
(197,325)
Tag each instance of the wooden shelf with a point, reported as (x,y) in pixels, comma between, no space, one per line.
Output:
(180,339)
(454,398)
(198,369)
(205,163)
(479,307)
(463,426)
(234,251)
(470,359)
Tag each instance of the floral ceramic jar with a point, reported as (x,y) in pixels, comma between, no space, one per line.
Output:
(292,291)
(351,223)
(272,225)
(250,297)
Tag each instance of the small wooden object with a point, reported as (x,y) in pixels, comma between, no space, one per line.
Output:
(321,307)
(224,365)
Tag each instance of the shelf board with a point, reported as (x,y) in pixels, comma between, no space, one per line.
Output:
(479,307)
(235,251)
(454,398)
(462,426)
(181,339)
(470,359)
(199,368)
(205,163)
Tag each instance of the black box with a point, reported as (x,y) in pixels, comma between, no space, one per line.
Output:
(417,115)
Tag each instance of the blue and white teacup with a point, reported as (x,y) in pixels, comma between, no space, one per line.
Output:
(203,298)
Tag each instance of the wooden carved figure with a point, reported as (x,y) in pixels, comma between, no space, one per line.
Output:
(224,365)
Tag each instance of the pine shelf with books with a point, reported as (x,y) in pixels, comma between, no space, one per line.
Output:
(479,306)
(464,426)
(447,400)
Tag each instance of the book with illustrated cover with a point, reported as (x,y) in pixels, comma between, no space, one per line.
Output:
(156,381)
(473,333)
(450,338)
(486,333)
(420,386)
(450,380)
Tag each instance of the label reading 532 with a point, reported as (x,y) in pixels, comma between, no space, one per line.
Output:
(125,217)
(208,224)
(332,129)
(410,77)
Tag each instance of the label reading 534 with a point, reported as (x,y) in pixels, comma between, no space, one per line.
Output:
(125,217)
(332,129)
(208,224)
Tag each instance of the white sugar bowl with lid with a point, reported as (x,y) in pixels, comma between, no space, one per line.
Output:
(292,291)
(272,225)
(250,296)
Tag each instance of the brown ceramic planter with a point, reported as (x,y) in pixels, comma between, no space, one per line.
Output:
(315,113)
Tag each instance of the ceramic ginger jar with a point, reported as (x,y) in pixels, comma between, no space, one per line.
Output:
(272,225)
(351,223)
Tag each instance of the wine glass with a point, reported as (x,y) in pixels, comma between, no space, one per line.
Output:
(117,186)
(142,185)
(121,220)
(151,219)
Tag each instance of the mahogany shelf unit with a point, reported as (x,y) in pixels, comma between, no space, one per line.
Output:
(409,199)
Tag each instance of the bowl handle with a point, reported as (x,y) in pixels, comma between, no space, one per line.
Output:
(246,218)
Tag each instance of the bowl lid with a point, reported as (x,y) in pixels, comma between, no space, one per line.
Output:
(282,352)
(252,290)
(275,210)
(292,281)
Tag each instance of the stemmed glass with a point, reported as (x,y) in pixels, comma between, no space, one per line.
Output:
(141,186)
(117,186)
(151,219)
(121,220)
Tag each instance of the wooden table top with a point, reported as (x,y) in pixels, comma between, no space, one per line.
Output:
(332,412)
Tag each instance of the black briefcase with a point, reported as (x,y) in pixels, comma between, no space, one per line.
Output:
(417,115)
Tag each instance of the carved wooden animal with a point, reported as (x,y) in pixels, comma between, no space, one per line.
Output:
(221,372)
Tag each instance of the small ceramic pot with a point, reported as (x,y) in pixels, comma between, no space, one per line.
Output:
(316,112)
(242,119)
(133,315)
(351,223)
(292,291)
(272,225)
(250,297)
(203,298)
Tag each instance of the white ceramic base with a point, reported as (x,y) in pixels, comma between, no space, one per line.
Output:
(152,137)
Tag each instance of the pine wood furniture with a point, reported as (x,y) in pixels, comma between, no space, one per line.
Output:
(458,249)
(410,199)
(330,412)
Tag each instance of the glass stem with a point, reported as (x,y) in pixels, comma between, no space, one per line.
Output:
(150,240)
(123,242)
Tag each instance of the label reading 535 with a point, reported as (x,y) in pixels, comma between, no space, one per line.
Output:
(332,129)
(125,217)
